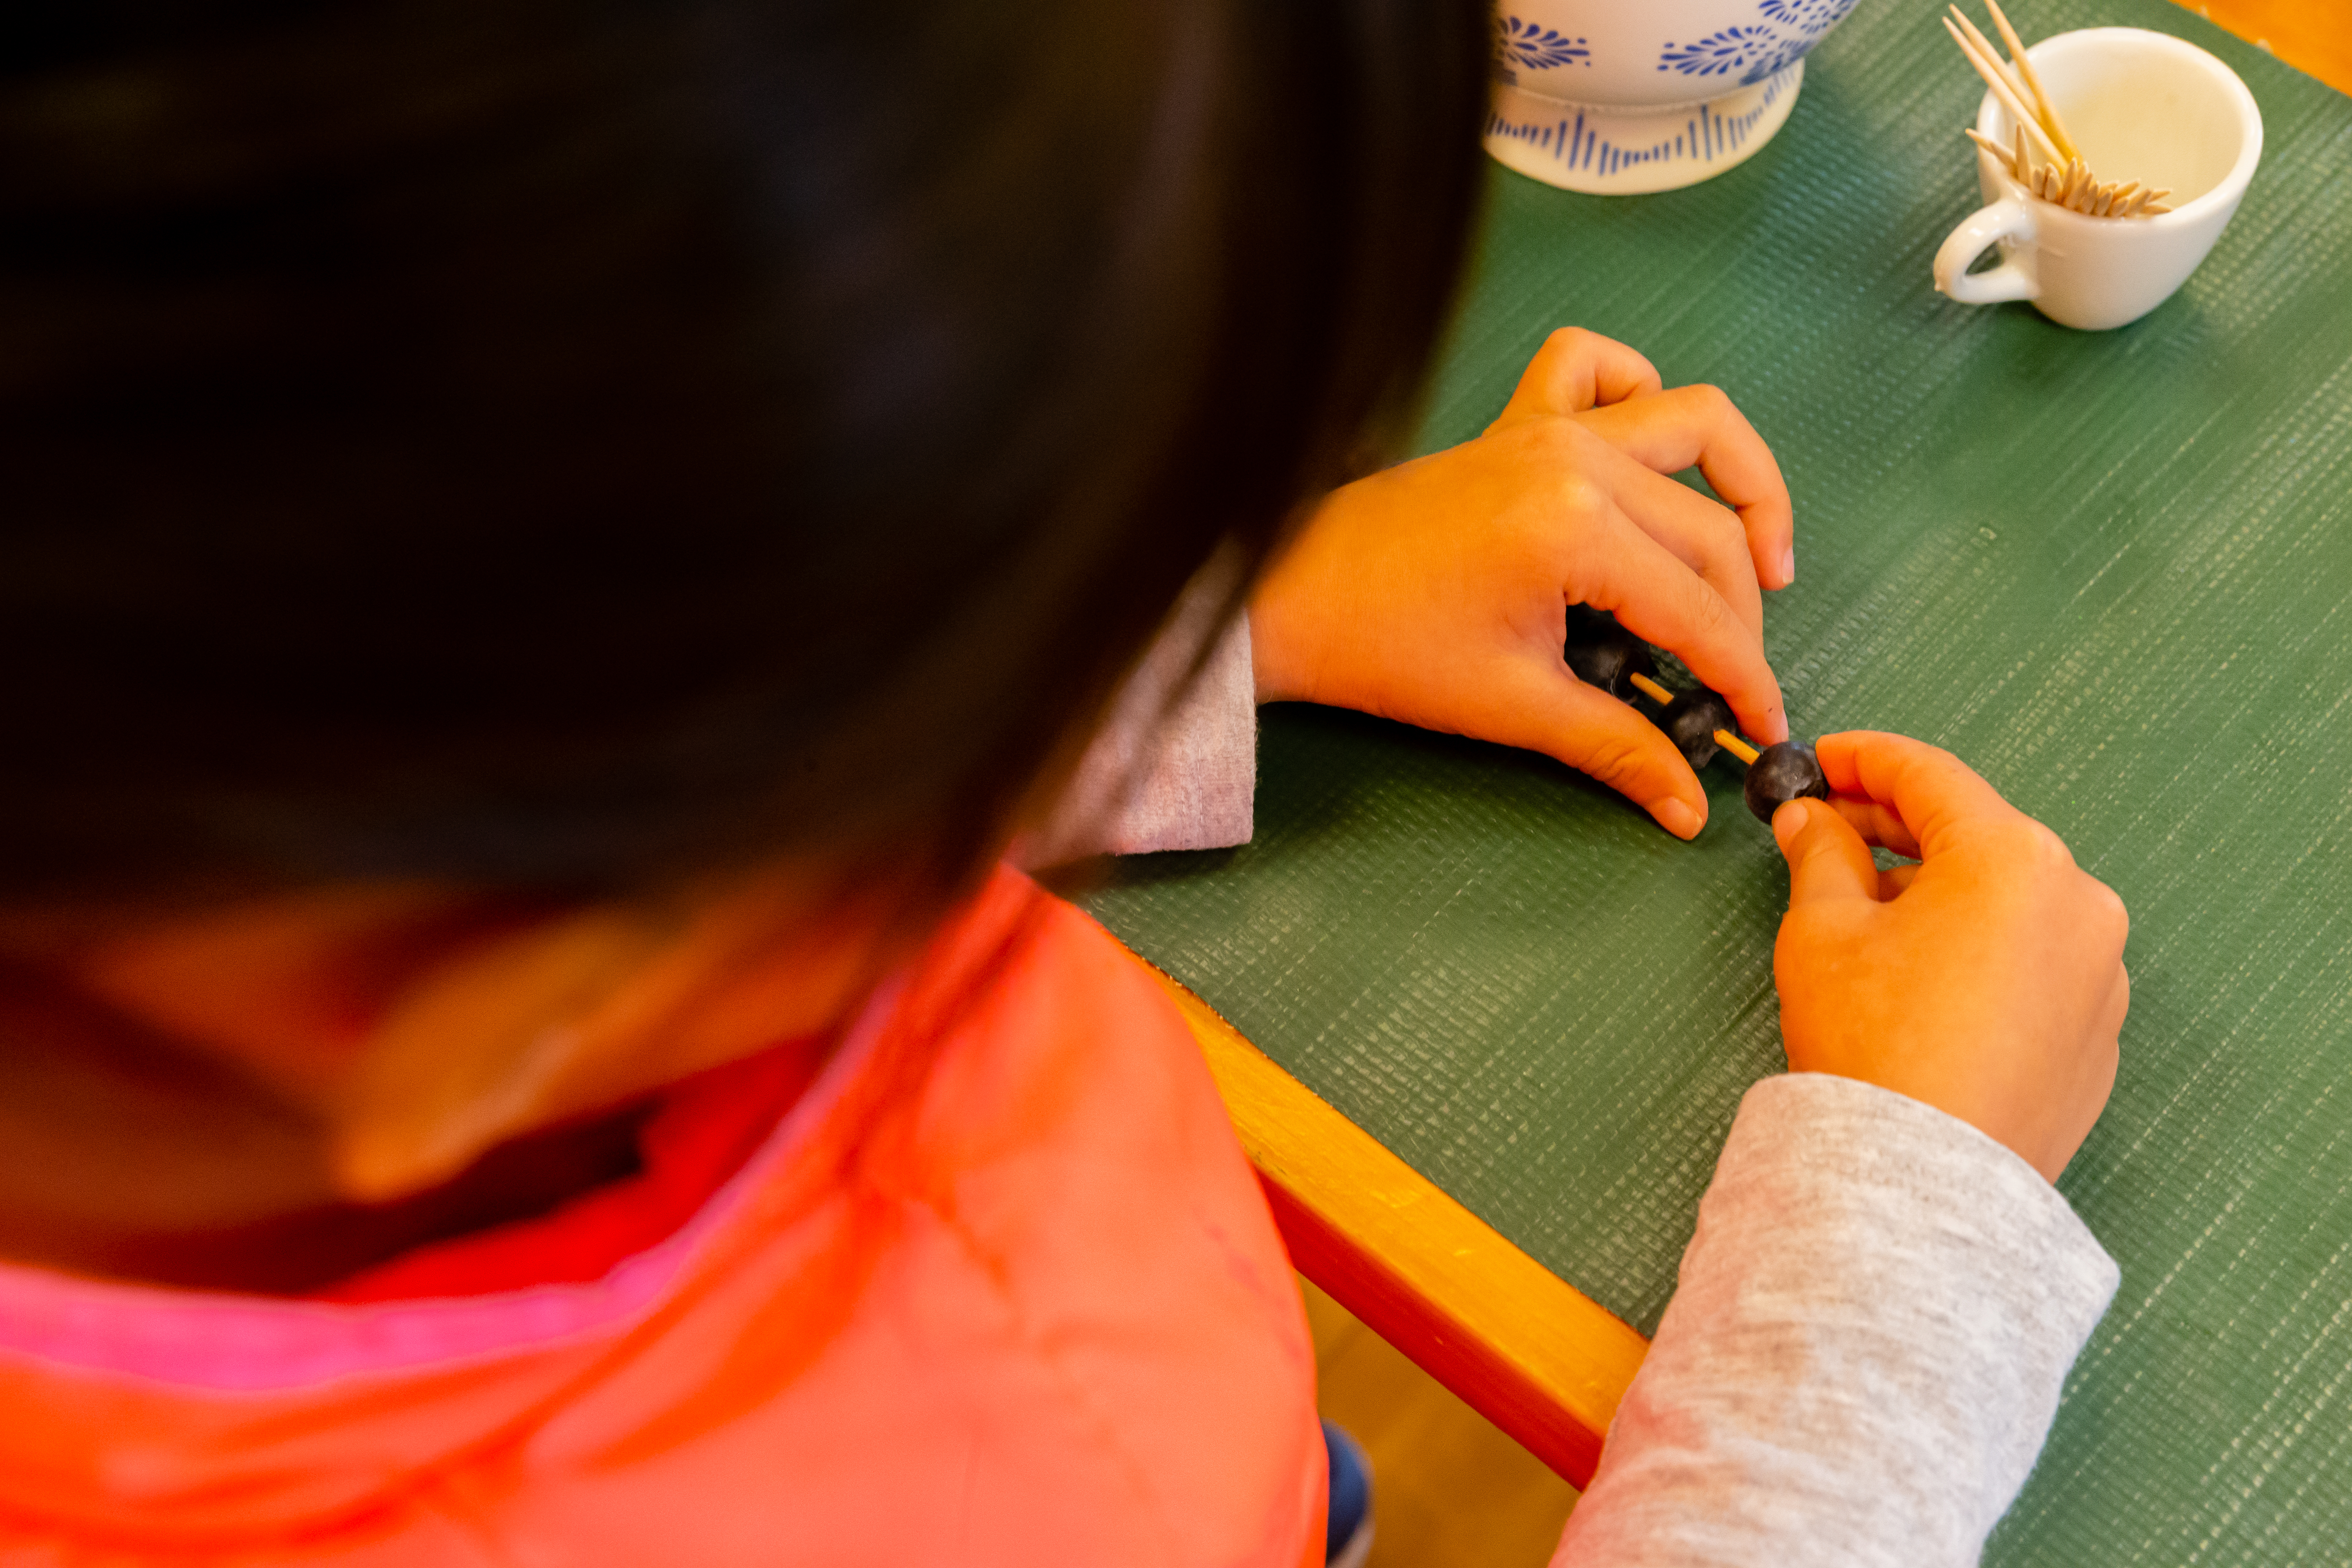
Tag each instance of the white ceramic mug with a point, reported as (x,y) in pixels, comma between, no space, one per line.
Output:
(2142,106)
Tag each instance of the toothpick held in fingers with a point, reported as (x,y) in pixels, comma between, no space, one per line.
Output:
(2050,120)
(1650,689)
(1724,738)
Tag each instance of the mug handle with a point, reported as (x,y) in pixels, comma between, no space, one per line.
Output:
(2014,278)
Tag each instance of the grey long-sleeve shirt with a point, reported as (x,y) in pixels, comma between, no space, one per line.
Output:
(1873,1321)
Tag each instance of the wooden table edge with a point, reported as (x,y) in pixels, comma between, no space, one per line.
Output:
(2299,32)
(1512,1340)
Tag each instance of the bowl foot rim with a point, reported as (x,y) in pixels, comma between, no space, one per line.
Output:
(1618,149)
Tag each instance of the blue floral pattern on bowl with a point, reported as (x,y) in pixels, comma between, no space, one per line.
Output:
(1644,103)
(1783,32)
(1531,47)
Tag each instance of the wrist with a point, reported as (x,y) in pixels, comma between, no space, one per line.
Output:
(1279,668)
(1270,680)
(2032,1126)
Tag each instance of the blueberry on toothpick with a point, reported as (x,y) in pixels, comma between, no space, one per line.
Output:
(1698,722)
(1701,723)
(1781,773)
(1603,653)
(1691,721)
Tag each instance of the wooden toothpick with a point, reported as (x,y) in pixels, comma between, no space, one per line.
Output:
(2066,179)
(1737,747)
(1983,45)
(1724,738)
(2001,153)
(1997,78)
(1652,689)
(2050,120)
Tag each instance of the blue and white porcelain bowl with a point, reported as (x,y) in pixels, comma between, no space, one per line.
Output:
(1624,95)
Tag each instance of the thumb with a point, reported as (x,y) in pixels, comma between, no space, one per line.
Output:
(1827,858)
(1576,369)
(1594,733)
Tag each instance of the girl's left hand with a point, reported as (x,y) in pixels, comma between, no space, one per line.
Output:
(1436,592)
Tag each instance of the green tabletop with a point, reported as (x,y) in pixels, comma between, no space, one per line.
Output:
(2114,571)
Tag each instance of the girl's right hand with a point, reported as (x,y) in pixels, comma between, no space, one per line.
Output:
(1986,981)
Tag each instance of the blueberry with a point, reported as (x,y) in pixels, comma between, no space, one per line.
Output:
(1784,772)
(1586,624)
(1604,654)
(1691,721)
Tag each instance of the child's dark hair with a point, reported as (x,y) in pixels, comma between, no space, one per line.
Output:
(573,442)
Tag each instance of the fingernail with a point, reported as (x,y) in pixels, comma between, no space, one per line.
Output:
(1788,566)
(1677,818)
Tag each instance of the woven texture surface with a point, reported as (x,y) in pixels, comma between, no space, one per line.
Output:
(2114,571)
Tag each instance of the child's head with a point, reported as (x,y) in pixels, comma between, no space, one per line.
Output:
(563,443)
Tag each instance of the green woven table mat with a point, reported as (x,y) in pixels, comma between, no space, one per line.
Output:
(2111,569)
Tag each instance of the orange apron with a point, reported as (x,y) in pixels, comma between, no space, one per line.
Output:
(999,1288)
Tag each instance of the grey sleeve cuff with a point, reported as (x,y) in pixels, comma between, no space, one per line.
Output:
(1162,777)
(1865,1350)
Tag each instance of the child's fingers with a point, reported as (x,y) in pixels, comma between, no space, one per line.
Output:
(1704,536)
(1827,858)
(1877,823)
(1930,790)
(1594,733)
(1699,425)
(1576,369)
(1894,880)
(2119,1004)
(1662,601)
